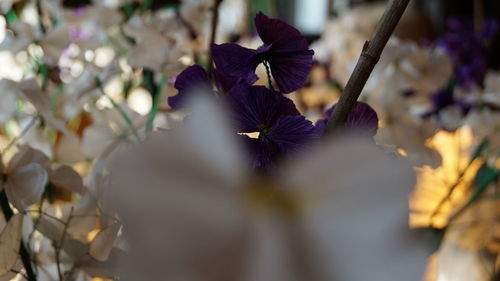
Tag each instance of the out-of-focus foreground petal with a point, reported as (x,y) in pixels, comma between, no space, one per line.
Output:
(356,215)
(177,196)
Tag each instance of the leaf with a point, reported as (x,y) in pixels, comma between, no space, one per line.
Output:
(103,243)
(10,241)
(26,185)
(66,177)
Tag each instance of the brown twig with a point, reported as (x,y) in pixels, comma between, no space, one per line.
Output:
(215,20)
(478,15)
(25,256)
(366,62)
(59,246)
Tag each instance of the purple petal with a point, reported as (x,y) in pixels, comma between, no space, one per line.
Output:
(192,79)
(193,75)
(290,70)
(442,99)
(282,36)
(256,107)
(262,153)
(290,133)
(225,83)
(234,60)
(362,119)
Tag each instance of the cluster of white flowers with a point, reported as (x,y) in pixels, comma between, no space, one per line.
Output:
(77,84)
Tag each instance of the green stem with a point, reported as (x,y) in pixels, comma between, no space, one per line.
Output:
(156,103)
(25,256)
(118,108)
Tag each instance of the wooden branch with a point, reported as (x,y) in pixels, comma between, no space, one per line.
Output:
(25,256)
(478,15)
(366,62)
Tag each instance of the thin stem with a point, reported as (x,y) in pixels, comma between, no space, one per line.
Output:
(268,72)
(156,104)
(367,61)
(215,20)
(39,10)
(25,256)
(118,108)
(451,189)
(59,246)
(23,133)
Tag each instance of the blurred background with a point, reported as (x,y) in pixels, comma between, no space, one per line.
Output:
(79,78)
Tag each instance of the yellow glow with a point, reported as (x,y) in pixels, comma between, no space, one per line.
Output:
(186,60)
(89,55)
(433,185)
(91,235)
(103,56)
(402,152)
(254,135)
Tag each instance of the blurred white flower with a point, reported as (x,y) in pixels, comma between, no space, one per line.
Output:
(337,213)
(108,128)
(160,43)
(7,103)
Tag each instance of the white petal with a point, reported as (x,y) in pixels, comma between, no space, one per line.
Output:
(356,220)
(37,139)
(103,243)
(69,150)
(66,177)
(10,239)
(26,185)
(25,156)
(7,105)
(96,139)
(181,213)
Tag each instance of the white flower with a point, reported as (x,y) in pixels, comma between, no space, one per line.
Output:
(109,127)
(26,177)
(7,103)
(159,44)
(192,211)
(491,93)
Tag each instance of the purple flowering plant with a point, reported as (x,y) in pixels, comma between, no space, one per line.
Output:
(281,129)
(469,48)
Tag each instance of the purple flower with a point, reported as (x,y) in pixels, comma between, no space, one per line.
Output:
(285,49)
(469,49)
(281,128)
(445,98)
(363,119)
(195,79)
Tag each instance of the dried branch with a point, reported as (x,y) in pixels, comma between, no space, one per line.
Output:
(59,245)
(366,62)
(25,256)
(215,20)
(478,15)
